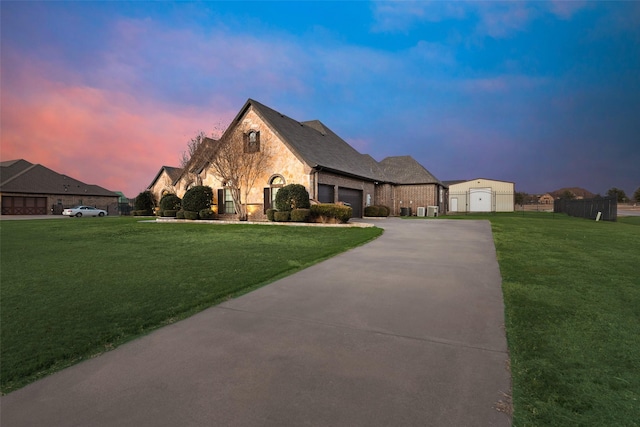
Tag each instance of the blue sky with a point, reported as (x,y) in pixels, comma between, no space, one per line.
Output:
(544,94)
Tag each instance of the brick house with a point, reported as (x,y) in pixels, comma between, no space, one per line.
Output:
(33,189)
(308,153)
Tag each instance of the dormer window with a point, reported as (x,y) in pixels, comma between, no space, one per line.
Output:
(252,142)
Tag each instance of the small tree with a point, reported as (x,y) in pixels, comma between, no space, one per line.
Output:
(617,193)
(292,196)
(197,198)
(240,158)
(636,195)
(567,194)
(145,201)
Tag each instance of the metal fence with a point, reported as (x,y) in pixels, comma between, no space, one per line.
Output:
(589,208)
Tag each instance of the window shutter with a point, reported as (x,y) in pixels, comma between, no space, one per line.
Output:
(221,201)
(267,199)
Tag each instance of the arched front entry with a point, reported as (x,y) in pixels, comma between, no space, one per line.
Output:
(276,182)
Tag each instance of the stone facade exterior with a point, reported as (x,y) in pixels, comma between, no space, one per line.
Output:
(310,154)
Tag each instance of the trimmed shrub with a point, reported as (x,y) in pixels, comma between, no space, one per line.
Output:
(206,213)
(270,213)
(197,198)
(180,214)
(170,202)
(376,210)
(331,213)
(145,201)
(190,215)
(280,216)
(292,196)
(169,213)
(300,215)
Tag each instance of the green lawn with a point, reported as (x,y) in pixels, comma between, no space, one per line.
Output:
(74,288)
(572,295)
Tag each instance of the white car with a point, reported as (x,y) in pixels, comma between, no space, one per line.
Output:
(79,211)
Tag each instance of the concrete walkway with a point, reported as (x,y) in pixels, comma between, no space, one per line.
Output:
(404,331)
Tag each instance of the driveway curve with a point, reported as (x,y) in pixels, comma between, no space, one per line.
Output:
(406,331)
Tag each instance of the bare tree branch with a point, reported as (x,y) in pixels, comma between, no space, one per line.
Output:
(239,166)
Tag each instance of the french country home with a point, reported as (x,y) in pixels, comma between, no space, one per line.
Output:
(307,153)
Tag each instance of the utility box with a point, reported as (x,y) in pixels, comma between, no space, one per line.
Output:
(421,211)
(432,211)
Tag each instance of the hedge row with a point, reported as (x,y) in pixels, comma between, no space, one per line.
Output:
(331,213)
(325,213)
(377,210)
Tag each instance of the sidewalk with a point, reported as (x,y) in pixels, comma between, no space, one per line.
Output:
(404,331)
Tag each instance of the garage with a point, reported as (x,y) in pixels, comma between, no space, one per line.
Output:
(481,195)
(480,200)
(18,205)
(353,197)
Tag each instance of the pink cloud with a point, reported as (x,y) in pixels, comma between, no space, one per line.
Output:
(107,138)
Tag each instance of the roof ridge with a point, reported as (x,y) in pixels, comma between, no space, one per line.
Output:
(11,178)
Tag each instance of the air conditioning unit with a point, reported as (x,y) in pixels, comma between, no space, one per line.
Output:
(421,211)
(432,211)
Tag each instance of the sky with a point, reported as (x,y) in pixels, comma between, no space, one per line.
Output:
(543,94)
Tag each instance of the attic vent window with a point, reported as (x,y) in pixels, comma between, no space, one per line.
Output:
(252,142)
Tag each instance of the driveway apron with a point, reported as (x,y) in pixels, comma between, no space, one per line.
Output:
(407,330)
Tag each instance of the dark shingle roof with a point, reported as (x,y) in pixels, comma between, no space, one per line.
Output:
(406,170)
(315,144)
(21,176)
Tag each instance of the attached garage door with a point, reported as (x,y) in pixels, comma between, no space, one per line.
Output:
(353,197)
(325,193)
(17,205)
(480,200)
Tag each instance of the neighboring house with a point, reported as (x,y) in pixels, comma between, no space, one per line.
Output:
(546,199)
(309,153)
(481,195)
(32,189)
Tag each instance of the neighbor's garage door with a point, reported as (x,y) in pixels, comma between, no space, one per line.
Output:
(325,193)
(480,200)
(353,197)
(17,205)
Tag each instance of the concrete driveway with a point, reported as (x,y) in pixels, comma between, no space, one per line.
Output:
(404,331)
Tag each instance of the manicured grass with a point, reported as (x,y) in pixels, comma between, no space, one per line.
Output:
(74,288)
(572,295)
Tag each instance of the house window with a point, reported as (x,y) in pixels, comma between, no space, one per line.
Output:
(252,142)
(225,201)
(228,202)
(275,183)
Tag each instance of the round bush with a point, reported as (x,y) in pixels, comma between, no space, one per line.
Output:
(270,213)
(170,202)
(281,216)
(169,213)
(180,214)
(300,215)
(197,198)
(145,201)
(292,196)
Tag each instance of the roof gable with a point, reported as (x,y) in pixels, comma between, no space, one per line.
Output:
(314,143)
(172,172)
